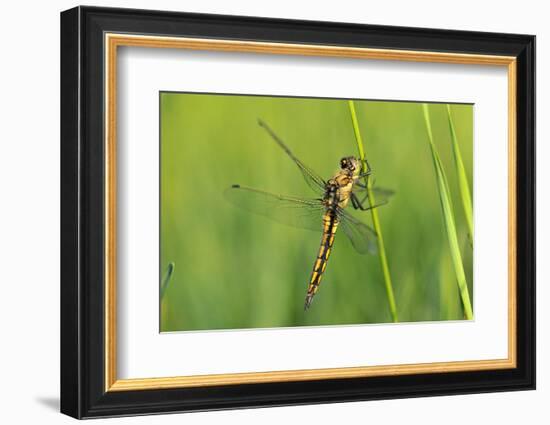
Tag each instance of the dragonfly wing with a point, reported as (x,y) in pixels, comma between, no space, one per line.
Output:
(362,237)
(381,196)
(289,210)
(312,179)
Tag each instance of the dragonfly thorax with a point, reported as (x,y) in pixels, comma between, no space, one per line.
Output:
(338,189)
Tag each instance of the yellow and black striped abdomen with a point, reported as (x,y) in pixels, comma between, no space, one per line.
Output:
(330,224)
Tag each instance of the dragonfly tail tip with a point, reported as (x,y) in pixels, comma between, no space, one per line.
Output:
(309,297)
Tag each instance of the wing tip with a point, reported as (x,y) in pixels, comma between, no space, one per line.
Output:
(235,186)
(372,249)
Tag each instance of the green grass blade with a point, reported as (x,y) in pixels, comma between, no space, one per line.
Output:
(375,220)
(448,219)
(166,279)
(462,179)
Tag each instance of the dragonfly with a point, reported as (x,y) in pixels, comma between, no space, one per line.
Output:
(326,211)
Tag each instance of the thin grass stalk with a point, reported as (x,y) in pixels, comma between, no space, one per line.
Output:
(448,219)
(375,220)
(462,179)
(166,279)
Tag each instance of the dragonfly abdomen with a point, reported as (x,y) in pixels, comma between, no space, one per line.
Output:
(330,224)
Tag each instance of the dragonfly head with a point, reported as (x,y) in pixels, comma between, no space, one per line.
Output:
(350,165)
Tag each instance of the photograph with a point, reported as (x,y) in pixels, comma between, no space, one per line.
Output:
(281,212)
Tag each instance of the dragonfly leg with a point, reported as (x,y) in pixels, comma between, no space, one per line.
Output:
(368,169)
(354,201)
(364,185)
(357,204)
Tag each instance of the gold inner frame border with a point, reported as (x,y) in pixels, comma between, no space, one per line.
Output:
(113,40)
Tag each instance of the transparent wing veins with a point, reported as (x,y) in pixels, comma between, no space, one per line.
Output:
(312,179)
(300,212)
(293,211)
(361,236)
(381,195)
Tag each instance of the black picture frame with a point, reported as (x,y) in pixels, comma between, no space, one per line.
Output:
(83,392)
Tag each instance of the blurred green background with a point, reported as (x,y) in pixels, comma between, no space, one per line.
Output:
(236,270)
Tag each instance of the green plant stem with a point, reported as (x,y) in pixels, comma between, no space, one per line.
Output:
(462,179)
(448,219)
(166,279)
(375,220)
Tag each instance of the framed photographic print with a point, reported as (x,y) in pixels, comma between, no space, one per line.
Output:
(261,212)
